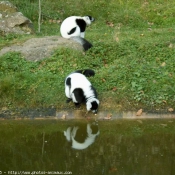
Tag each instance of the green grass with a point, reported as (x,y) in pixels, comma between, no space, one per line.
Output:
(133,56)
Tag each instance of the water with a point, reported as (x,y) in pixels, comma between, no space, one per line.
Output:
(122,147)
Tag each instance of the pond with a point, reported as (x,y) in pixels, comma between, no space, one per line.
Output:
(121,147)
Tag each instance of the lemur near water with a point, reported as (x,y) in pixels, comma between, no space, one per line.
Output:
(79,89)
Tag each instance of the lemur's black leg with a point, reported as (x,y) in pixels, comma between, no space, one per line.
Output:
(77,105)
(68,100)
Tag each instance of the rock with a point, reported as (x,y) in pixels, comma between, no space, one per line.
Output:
(12,21)
(39,48)
(6,6)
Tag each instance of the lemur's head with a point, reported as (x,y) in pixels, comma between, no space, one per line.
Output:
(92,105)
(88,19)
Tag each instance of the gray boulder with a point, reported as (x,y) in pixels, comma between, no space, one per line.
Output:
(12,21)
(36,49)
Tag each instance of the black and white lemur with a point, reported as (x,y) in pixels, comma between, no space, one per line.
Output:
(79,89)
(81,137)
(74,28)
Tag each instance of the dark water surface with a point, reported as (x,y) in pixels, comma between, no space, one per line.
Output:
(123,147)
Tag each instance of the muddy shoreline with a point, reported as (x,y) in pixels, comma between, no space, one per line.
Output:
(54,113)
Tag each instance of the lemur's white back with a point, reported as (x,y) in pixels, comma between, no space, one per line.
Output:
(67,25)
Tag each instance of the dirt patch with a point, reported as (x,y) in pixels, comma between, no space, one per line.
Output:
(39,48)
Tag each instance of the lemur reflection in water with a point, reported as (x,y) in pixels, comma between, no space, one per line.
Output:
(82,137)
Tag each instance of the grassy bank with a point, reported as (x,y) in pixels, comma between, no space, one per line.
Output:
(133,56)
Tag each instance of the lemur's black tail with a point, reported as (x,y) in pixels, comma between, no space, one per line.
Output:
(86,72)
(86,44)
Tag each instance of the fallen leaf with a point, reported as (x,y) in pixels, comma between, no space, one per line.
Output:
(50,20)
(117,39)
(170,109)
(163,64)
(139,112)
(88,118)
(108,117)
(170,45)
(110,24)
(170,75)
(150,23)
(114,88)
(4,108)
(106,65)
(59,21)
(63,117)
(103,80)
(112,169)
